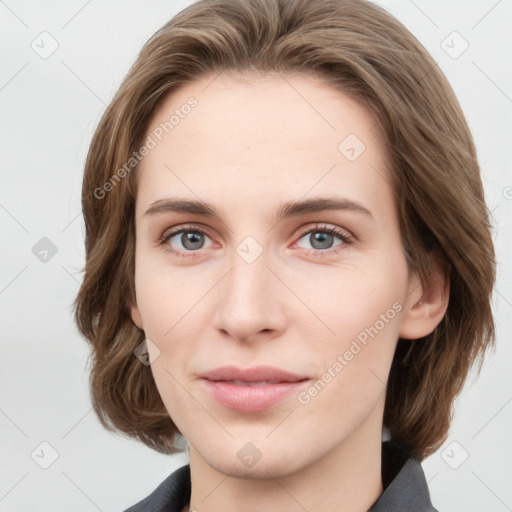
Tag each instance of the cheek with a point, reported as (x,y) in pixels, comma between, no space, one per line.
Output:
(168,297)
(362,309)
(352,369)
(344,301)
(173,315)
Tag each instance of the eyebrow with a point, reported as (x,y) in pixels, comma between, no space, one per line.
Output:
(288,209)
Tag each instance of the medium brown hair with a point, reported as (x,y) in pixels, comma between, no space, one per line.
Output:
(365,52)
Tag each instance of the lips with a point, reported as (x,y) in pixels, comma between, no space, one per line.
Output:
(267,374)
(252,389)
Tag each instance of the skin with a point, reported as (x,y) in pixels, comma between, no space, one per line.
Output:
(248,147)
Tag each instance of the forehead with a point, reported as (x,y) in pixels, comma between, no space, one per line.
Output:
(281,134)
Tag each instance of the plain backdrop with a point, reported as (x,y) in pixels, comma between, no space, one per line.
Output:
(50,106)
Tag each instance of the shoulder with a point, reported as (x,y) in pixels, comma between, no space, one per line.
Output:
(170,496)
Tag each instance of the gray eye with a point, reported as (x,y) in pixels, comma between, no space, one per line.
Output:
(192,240)
(319,240)
(188,241)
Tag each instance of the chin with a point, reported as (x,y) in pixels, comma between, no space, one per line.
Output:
(262,470)
(267,461)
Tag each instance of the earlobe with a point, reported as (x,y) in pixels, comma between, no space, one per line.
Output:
(427,306)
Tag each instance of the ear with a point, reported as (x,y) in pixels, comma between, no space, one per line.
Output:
(135,314)
(426,306)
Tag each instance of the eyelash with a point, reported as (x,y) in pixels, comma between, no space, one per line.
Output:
(343,235)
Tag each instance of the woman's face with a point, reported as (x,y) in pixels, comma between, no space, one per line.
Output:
(321,291)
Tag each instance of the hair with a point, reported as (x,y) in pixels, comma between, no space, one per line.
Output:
(363,51)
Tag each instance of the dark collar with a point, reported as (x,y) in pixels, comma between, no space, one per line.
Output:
(405,487)
(403,479)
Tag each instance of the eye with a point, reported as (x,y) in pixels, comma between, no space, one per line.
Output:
(181,241)
(322,238)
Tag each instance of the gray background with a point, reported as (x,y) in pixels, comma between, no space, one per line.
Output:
(50,107)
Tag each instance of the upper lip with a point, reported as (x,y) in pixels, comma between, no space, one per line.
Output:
(254,374)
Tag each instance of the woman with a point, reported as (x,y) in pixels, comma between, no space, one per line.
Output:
(288,257)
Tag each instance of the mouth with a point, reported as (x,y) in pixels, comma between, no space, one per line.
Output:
(249,383)
(252,389)
(260,374)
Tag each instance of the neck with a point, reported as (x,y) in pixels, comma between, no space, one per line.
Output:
(347,479)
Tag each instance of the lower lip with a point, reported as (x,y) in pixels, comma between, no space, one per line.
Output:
(250,398)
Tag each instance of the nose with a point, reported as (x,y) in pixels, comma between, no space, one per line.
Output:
(251,301)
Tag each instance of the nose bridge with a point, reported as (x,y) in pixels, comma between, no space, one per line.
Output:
(249,301)
(249,274)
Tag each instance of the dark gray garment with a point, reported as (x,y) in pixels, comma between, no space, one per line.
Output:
(405,487)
